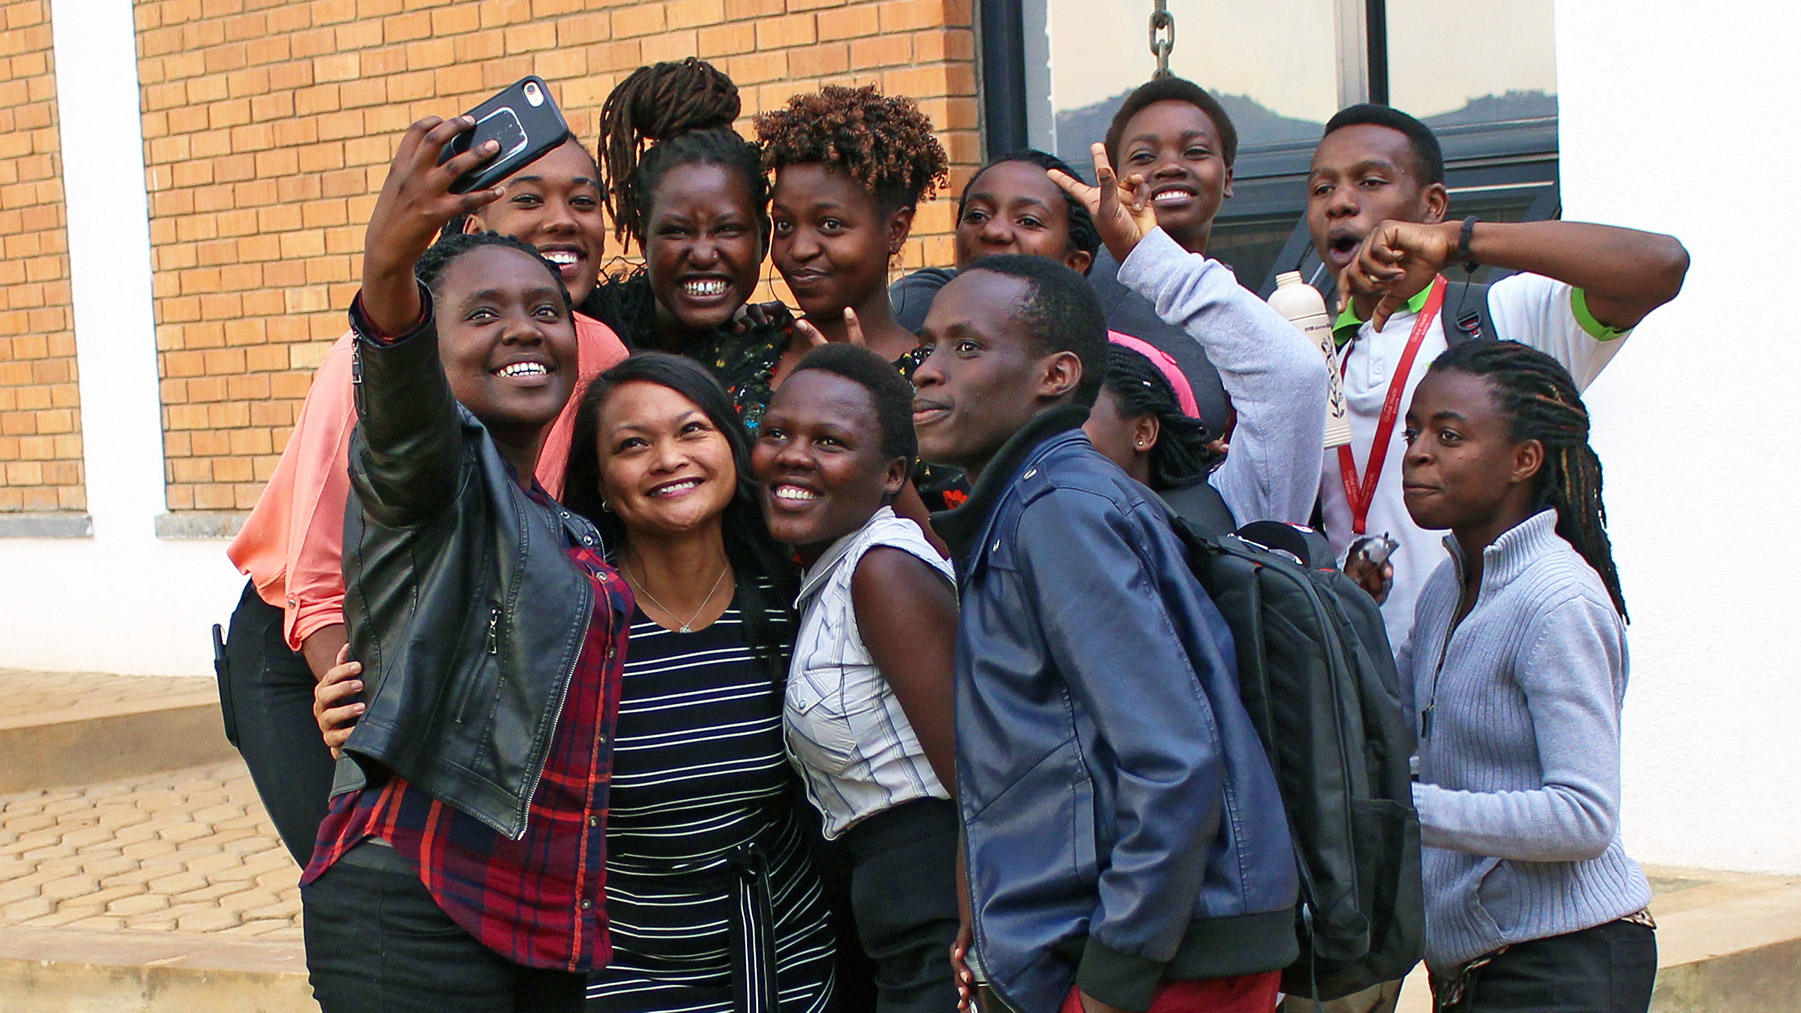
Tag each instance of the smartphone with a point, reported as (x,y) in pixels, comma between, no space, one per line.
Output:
(1375,548)
(526,122)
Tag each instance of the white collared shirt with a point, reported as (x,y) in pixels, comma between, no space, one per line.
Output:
(1532,309)
(847,734)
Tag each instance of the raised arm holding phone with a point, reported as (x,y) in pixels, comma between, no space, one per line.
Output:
(458,865)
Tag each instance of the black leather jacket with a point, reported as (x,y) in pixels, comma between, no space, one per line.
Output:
(461,601)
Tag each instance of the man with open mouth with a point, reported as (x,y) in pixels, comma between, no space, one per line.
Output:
(1377,209)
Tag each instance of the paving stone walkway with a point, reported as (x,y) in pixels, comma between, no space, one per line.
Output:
(37,696)
(187,851)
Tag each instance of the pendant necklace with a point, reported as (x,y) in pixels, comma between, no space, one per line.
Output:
(686,627)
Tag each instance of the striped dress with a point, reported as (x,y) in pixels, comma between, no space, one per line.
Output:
(708,879)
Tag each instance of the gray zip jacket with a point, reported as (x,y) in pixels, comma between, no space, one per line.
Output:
(1519,785)
(1277,381)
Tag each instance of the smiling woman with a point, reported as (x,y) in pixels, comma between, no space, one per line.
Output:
(714,902)
(1178,139)
(466,354)
(850,165)
(289,624)
(868,700)
(690,192)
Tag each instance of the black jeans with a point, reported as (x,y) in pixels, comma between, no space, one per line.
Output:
(266,692)
(376,942)
(1607,969)
(891,882)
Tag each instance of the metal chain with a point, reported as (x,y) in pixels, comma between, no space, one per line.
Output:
(1163,37)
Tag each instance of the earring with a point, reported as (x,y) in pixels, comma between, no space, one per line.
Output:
(606,507)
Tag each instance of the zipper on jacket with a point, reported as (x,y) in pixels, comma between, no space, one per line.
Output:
(1444,648)
(466,699)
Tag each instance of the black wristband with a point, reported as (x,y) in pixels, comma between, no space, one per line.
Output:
(1462,253)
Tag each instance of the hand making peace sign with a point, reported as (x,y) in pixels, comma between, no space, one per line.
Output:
(1121,208)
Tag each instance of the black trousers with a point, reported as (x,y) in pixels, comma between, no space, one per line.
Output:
(1607,969)
(376,942)
(891,882)
(266,692)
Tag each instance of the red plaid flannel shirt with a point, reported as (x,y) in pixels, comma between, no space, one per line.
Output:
(539,901)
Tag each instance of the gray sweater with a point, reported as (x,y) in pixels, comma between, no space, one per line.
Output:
(1276,379)
(1519,787)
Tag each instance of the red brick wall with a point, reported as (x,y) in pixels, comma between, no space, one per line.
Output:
(40,417)
(268,128)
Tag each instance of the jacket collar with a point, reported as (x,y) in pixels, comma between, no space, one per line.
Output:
(963,527)
(1509,555)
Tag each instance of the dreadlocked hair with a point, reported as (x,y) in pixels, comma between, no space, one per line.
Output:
(431,265)
(1180,458)
(1540,397)
(667,115)
(882,141)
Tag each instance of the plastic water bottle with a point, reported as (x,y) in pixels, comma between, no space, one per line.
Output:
(1302,305)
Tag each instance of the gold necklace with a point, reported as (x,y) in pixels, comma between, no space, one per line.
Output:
(686,627)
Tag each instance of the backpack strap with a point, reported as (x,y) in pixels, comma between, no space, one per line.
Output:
(1466,313)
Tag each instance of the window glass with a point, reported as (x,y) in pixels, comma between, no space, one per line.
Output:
(1272,64)
(1511,75)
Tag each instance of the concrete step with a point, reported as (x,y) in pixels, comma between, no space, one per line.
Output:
(59,970)
(59,728)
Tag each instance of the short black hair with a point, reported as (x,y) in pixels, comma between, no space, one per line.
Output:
(1426,152)
(1061,313)
(1083,235)
(882,141)
(438,257)
(1173,89)
(890,392)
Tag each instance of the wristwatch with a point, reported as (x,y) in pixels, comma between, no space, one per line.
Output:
(1462,253)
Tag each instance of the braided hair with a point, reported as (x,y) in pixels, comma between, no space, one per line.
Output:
(1180,458)
(668,115)
(1539,396)
(882,141)
(438,257)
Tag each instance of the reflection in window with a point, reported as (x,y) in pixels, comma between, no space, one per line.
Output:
(1513,76)
(1272,64)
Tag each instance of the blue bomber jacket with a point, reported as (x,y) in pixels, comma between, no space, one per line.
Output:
(1121,821)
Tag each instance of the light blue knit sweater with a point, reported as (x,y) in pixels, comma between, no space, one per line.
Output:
(1519,790)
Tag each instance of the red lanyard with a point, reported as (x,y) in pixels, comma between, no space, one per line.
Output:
(1361,496)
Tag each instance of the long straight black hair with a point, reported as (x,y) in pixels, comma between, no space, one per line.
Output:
(767,577)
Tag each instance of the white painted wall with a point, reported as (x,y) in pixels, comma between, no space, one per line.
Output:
(122,601)
(1679,117)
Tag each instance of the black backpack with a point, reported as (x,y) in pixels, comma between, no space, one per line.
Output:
(1316,674)
(1466,313)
